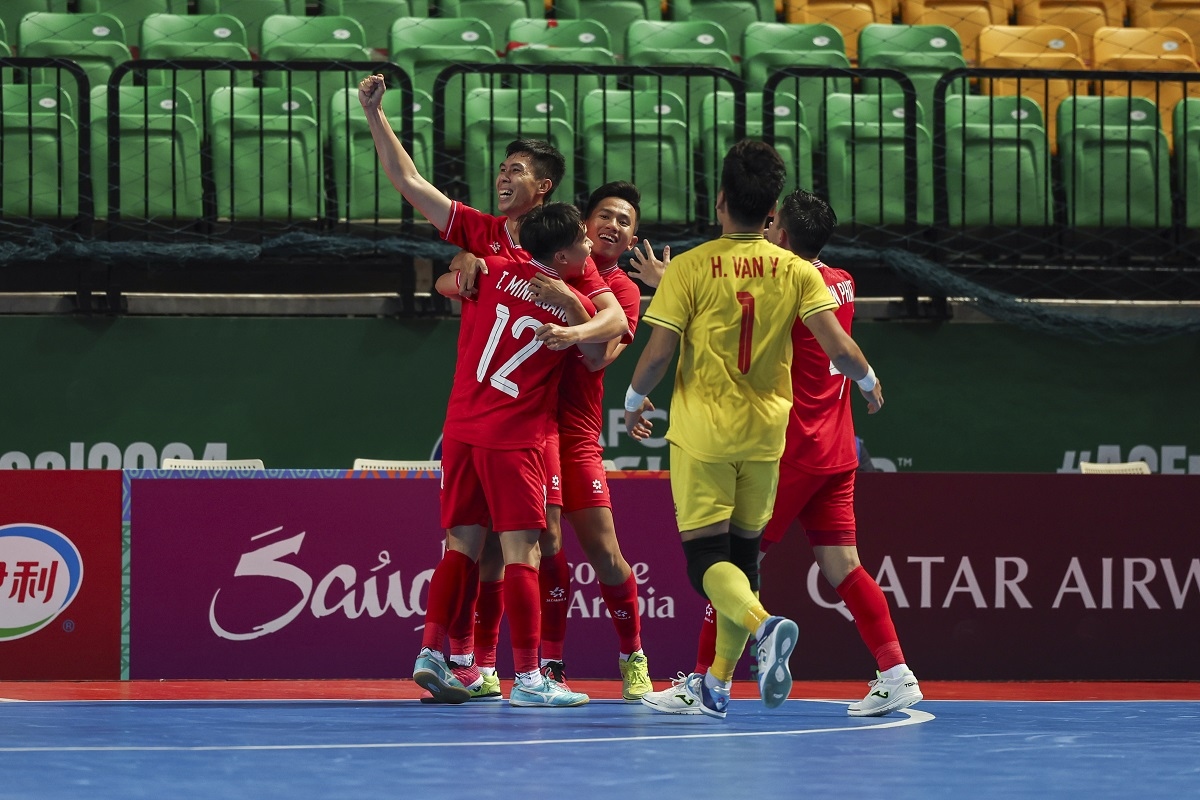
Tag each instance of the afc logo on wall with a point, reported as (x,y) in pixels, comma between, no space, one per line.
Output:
(40,574)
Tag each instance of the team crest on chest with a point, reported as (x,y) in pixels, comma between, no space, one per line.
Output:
(495,247)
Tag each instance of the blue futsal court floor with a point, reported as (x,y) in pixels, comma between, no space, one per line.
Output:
(399,749)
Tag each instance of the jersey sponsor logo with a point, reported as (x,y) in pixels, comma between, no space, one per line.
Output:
(496,247)
(40,574)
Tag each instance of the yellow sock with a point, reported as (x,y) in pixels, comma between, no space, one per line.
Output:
(731,641)
(729,591)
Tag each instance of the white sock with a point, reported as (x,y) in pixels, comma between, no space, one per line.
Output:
(463,660)
(487,670)
(712,682)
(894,672)
(531,680)
(627,656)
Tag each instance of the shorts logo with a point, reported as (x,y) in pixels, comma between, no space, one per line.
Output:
(40,574)
(597,487)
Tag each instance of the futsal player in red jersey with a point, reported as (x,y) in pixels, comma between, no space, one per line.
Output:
(817,471)
(504,391)
(612,217)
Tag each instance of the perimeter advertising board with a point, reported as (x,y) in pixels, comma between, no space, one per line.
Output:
(1011,577)
(60,575)
(327,577)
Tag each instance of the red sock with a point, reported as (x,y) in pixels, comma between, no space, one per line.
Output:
(523,602)
(622,602)
(866,602)
(489,610)
(706,650)
(445,597)
(462,627)
(554,583)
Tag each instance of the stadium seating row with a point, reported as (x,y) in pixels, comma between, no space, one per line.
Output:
(271,153)
(966,17)
(423,46)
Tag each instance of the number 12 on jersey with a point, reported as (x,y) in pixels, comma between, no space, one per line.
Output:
(499,378)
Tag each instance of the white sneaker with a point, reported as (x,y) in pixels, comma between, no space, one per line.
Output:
(689,695)
(888,695)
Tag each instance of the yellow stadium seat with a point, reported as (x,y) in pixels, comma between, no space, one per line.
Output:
(966,17)
(1182,14)
(1082,16)
(848,16)
(1147,50)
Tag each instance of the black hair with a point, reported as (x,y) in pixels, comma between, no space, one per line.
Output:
(547,161)
(752,178)
(548,228)
(808,220)
(623,190)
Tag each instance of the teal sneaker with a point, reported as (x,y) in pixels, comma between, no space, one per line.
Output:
(776,641)
(431,673)
(550,694)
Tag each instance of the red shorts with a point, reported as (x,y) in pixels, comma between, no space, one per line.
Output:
(553,467)
(585,484)
(824,505)
(500,489)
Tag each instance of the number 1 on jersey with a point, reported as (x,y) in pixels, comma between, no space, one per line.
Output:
(746,334)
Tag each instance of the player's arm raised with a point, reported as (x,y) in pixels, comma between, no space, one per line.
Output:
(432,203)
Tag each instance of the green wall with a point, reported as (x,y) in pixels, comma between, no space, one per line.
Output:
(318,392)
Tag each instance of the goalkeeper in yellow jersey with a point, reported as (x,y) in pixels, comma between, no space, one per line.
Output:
(728,306)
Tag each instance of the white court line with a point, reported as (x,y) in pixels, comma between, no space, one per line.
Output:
(913,717)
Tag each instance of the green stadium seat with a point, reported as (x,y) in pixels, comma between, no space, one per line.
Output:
(286,38)
(734,16)
(424,46)
(1187,158)
(362,188)
(96,42)
(1115,160)
(40,140)
(792,139)
(997,162)
(865,160)
(265,154)
(13,11)
(924,53)
(218,37)
(558,33)
(496,117)
(159,152)
(680,44)
(640,137)
(579,42)
(617,15)
(769,46)
(498,14)
(251,13)
(376,16)
(132,12)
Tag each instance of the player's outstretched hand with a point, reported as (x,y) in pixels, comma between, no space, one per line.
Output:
(647,267)
(370,91)
(638,426)
(874,397)
(469,266)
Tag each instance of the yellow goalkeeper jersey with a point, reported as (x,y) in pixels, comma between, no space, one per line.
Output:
(733,301)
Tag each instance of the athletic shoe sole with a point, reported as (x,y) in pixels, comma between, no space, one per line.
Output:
(439,689)
(898,703)
(774,675)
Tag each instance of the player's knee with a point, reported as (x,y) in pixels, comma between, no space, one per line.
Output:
(744,554)
(701,554)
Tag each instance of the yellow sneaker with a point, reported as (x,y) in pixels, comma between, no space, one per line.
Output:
(489,689)
(635,677)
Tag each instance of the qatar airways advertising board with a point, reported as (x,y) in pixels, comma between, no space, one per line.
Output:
(60,575)
(327,577)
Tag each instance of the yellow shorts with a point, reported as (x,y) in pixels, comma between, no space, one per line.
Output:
(742,492)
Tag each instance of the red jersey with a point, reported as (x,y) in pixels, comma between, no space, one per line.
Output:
(581,392)
(820,433)
(505,381)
